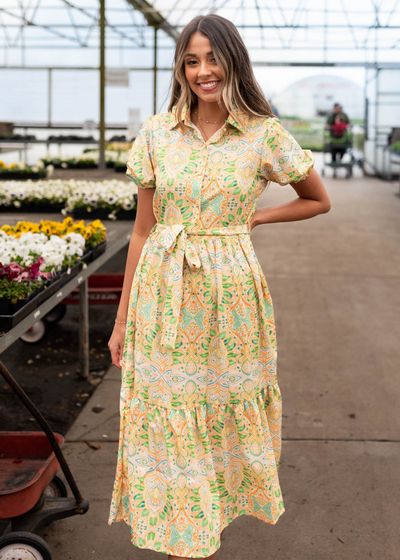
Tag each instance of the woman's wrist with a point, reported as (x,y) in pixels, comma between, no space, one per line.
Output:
(120,318)
(257,219)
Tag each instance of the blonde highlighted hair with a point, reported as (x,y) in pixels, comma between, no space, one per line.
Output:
(240,89)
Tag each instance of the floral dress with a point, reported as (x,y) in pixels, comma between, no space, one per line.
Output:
(200,405)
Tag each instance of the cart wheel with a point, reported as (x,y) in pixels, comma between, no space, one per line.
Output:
(22,545)
(33,335)
(56,489)
(56,314)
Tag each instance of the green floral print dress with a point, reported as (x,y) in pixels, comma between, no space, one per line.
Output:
(200,434)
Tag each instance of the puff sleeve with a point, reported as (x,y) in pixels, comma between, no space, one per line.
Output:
(283,161)
(139,167)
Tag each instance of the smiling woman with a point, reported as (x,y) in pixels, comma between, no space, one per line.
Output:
(200,436)
(213,74)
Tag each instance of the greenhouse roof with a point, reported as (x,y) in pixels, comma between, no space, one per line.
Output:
(275,31)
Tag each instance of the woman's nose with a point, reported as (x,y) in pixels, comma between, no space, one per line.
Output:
(204,70)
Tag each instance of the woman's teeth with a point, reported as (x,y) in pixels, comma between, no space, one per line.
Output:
(208,85)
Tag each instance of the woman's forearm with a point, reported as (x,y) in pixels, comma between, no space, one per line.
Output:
(298,209)
(136,245)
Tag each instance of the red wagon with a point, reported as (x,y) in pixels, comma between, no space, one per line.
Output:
(31,493)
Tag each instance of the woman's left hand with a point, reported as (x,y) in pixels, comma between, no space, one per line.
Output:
(253,222)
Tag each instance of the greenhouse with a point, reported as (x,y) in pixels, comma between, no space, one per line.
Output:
(198,201)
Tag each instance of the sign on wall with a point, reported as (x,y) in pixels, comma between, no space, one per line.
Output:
(117,77)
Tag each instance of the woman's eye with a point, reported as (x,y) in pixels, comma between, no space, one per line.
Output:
(190,62)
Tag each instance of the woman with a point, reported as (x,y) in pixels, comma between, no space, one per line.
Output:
(195,334)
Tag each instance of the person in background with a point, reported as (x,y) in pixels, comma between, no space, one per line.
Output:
(339,127)
(337,124)
(337,110)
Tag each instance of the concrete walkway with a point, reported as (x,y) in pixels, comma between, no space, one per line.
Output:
(334,281)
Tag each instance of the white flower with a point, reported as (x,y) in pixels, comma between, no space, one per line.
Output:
(57,241)
(75,238)
(127,204)
(22,251)
(54,260)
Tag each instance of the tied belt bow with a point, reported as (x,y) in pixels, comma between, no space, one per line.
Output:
(174,245)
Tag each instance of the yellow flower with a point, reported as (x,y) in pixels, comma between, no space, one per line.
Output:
(57,228)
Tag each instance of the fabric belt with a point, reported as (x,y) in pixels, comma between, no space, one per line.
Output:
(173,245)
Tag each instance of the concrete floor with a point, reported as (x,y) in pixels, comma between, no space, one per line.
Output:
(334,282)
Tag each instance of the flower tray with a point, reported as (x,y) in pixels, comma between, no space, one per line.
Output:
(65,277)
(11,314)
(52,287)
(28,208)
(9,175)
(120,168)
(98,250)
(102,214)
(17,311)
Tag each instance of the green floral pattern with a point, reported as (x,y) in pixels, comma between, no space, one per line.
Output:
(200,436)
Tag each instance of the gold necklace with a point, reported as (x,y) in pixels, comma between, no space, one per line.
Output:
(215,122)
(203,131)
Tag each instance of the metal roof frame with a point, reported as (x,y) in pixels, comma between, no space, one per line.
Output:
(276,25)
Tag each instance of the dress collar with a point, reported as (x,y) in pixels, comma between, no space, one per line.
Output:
(185,118)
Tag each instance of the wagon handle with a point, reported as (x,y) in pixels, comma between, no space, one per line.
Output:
(46,428)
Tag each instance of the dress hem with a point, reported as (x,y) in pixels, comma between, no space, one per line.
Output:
(134,539)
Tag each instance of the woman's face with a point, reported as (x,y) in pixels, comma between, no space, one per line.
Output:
(201,69)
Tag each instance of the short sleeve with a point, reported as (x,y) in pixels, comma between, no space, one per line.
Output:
(283,161)
(139,168)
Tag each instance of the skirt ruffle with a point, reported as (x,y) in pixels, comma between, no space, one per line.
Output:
(183,474)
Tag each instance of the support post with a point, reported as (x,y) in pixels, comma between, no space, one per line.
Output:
(49,97)
(102,163)
(84,329)
(155,73)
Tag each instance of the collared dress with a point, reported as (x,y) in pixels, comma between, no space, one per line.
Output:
(200,406)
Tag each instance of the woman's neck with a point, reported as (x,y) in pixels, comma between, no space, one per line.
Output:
(211,111)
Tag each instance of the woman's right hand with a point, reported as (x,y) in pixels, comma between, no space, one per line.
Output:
(116,344)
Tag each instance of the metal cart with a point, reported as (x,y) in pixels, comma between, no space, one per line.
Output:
(31,494)
(342,147)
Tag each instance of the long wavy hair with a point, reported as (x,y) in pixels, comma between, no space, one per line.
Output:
(240,89)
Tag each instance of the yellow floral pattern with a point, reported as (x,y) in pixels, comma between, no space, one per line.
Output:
(200,436)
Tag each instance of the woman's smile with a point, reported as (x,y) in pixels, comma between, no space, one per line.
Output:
(208,86)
